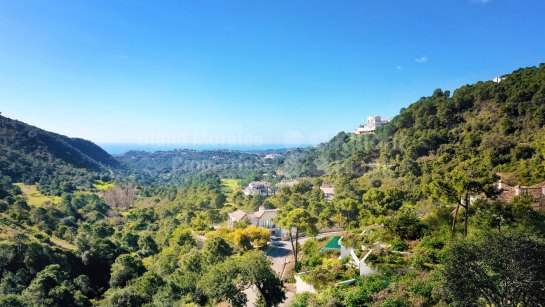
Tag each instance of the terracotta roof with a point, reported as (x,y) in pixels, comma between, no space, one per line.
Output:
(540,205)
(238,215)
(507,194)
(535,192)
(266,214)
(539,185)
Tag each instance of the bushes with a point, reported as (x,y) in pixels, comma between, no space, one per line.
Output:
(406,226)
(496,270)
(250,237)
(125,268)
(431,250)
(400,245)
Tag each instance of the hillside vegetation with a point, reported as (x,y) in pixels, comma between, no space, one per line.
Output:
(499,123)
(175,166)
(418,198)
(31,155)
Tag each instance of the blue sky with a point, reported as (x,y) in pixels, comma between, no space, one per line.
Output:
(247,72)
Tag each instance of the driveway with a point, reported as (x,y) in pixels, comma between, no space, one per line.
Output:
(281,255)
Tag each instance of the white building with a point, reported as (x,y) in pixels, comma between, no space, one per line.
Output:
(329,191)
(258,187)
(498,79)
(261,218)
(373,123)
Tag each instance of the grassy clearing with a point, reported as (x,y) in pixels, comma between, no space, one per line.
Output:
(34,197)
(229,185)
(62,243)
(103,186)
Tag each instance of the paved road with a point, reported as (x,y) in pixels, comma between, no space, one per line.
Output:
(279,255)
(283,254)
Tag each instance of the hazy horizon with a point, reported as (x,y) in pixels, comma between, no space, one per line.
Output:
(121,148)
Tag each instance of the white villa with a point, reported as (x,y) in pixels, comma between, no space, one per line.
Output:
(373,122)
(329,191)
(498,79)
(258,187)
(261,218)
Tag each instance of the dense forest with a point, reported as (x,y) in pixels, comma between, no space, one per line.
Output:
(174,166)
(58,163)
(418,201)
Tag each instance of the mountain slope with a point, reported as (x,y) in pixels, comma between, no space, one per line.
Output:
(32,155)
(499,123)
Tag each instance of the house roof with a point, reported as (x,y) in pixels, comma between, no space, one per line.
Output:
(327,189)
(268,214)
(539,185)
(535,192)
(509,192)
(238,215)
(258,184)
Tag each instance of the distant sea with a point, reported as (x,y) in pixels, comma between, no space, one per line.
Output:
(114,149)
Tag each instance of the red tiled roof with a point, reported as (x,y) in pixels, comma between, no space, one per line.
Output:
(238,215)
(539,185)
(266,214)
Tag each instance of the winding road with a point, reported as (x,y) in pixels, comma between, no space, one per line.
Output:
(282,255)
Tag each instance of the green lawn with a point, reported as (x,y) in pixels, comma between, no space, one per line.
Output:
(62,243)
(34,197)
(103,186)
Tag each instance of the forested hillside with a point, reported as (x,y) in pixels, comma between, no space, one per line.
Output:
(56,162)
(417,202)
(499,123)
(174,166)
(420,197)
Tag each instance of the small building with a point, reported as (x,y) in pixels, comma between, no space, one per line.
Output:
(237,217)
(498,79)
(261,218)
(287,183)
(329,191)
(508,192)
(373,123)
(258,188)
(272,156)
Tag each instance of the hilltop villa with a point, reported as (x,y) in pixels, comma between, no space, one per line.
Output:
(373,123)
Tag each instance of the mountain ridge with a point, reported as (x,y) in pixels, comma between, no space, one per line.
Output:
(33,155)
(498,121)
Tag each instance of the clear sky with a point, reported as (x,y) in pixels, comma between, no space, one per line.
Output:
(247,72)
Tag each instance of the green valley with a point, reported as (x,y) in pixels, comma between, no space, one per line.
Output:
(443,205)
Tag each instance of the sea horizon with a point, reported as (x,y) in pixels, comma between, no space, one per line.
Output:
(121,148)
